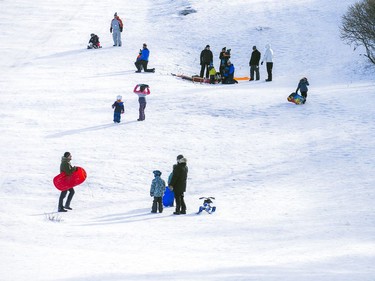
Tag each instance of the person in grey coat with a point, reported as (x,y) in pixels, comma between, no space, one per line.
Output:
(157,191)
(116,29)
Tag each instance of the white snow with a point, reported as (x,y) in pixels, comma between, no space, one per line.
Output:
(294,185)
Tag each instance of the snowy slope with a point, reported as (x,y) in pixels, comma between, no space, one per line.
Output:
(294,184)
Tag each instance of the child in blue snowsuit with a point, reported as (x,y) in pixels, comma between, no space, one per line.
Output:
(302,86)
(119,109)
(157,191)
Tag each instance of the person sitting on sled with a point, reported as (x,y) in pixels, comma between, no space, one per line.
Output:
(94,42)
(302,86)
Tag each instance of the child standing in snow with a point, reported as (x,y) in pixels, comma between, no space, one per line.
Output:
(142,92)
(302,86)
(157,191)
(119,109)
(212,73)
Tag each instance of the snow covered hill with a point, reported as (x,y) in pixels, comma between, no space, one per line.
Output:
(293,184)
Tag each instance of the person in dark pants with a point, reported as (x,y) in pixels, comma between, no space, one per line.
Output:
(142,60)
(268,58)
(206,59)
(119,109)
(67,168)
(254,64)
(157,191)
(302,86)
(143,91)
(178,184)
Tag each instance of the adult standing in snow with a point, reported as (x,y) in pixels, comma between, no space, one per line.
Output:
(143,91)
(268,58)
(206,59)
(67,168)
(178,184)
(254,64)
(224,57)
(116,29)
(142,60)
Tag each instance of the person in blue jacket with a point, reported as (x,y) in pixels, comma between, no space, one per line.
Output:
(119,109)
(302,86)
(142,60)
(229,74)
(157,191)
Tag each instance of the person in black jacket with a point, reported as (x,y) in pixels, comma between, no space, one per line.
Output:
(206,59)
(94,42)
(178,184)
(254,64)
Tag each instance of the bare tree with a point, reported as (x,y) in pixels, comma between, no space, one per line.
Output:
(358,27)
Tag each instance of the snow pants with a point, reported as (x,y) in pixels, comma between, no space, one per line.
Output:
(157,205)
(180,202)
(254,69)
(269,70)
(117,117)
(116,34)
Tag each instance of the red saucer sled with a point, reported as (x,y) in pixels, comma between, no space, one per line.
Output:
(64,182)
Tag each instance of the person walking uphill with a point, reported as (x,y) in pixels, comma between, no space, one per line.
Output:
(178,184)
(302,86)
(206,59)
(254,64)
(143,91)
(67,168)
(268,58)
(116,29)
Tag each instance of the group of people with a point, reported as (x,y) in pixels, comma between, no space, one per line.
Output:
(116,29)
(226,70)
(226,73)
(176,183)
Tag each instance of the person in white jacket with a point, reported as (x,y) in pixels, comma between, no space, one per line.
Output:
(268,58)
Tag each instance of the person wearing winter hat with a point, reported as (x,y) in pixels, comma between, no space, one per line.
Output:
(68,169)
(116,29)
(157,191)
(302,86)
(178,184)
(268,58)
(119,109)
(206,59)
(224,57)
